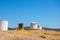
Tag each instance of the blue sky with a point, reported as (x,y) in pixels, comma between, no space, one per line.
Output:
(44,12)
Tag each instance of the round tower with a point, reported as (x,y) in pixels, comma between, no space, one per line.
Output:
(3,25)
(33,25)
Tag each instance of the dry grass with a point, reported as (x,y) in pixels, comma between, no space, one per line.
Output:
(29,35)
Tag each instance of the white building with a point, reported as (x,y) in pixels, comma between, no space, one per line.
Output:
(40,27)
(33,25)
(3,25)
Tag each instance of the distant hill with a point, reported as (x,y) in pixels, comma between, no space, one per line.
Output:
(11,28)
(51,29)
(27,27)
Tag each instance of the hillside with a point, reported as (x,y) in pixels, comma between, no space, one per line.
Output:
(27,27)
(29,35)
